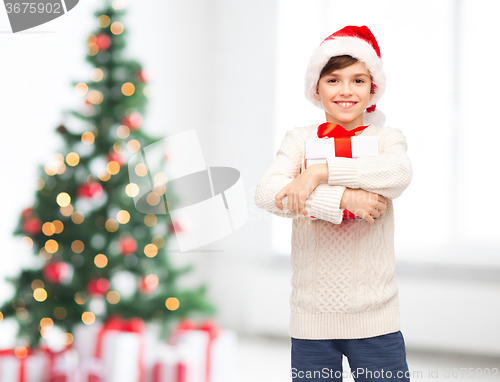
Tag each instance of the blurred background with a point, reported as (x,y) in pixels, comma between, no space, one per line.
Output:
(233,70)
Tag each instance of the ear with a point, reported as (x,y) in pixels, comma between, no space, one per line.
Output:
(316,95)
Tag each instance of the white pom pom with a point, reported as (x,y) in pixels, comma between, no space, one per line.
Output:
(376,118)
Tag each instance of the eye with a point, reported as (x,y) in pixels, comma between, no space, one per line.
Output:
(359,81)
(332,80)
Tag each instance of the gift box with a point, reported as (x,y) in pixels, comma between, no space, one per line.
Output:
(206,353)
(29,368)
(318,149)
(61,366)
(112,351)
(175,364)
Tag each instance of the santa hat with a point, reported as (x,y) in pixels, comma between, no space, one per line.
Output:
(360,43)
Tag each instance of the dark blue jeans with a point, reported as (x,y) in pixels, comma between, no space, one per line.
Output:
(381,358)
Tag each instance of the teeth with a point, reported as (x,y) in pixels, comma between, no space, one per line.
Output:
(346,104)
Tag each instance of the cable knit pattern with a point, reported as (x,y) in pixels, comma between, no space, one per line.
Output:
(343,283)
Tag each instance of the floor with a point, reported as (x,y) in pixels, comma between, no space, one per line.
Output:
(268,360)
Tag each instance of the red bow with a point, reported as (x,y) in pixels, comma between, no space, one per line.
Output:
(334,130)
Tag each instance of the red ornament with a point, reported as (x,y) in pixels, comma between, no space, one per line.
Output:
(141,75)
(27,212)
(32,226)
(128,245)
(148,284)
(133,120)
(98,287)
(56,272)
(89,190)
(103,41)
(114,156)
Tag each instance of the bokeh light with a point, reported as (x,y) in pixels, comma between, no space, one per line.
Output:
(77,217)
(77,246)
(88,138)
(72,159)
(103,21)
(81,89)
(123,217)
(112,225)
(60,313)
(132,190)
(116,28)
(51,246)
(150,250)
(100,260)
(128,88)
(88,318)
(133,145)
(63,199)
(113,297)
(172,303)
(40,294)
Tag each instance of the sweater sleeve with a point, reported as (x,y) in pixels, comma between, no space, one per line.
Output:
(387,174)
(324,201)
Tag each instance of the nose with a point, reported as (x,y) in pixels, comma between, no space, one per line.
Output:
(345,90)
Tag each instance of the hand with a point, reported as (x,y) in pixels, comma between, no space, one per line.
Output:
(365,204)
(298,191)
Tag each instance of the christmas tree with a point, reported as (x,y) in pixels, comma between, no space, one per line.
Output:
(95,254)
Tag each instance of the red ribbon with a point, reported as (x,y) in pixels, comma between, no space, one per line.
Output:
(116,323)
(22,365)
(342,141)
(213,332)
(53,376)
(334,130)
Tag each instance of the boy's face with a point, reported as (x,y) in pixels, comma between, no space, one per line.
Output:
(345,94)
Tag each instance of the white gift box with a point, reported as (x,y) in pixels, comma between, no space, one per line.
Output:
(318,149)
(224,357)
(35,366)
(193,347)
(121,353)
(174,364)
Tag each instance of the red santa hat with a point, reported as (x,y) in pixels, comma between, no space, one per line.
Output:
(360,43)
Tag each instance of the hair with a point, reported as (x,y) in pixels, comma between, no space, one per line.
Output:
(341,62)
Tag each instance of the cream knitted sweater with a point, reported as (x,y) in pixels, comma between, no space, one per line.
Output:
(343,284)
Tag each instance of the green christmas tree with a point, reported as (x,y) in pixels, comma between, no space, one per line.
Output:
(88,238)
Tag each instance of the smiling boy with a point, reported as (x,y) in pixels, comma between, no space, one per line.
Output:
(344,299)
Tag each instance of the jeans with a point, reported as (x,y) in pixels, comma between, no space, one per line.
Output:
(381,358)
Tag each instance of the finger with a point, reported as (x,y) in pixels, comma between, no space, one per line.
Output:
(279,197)
(290,203)
(381,206)
(382,199)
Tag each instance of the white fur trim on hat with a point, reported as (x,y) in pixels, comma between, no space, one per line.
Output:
(352,46)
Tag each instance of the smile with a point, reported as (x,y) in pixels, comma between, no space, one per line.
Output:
(346,105)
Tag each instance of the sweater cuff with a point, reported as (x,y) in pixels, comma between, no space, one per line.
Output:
(342,172)
(325,203)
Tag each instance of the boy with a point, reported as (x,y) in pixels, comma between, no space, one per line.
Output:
(344,296)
